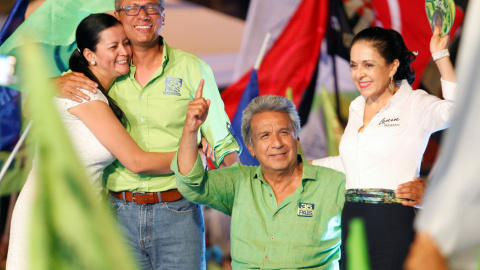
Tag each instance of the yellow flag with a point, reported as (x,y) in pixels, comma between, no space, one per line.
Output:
(333,128)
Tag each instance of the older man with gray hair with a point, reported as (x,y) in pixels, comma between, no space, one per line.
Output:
(285,212)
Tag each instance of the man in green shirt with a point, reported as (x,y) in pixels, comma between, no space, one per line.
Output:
(285,212)
(164,230)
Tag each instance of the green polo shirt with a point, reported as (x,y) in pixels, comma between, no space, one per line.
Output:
(303,232)
(156,116)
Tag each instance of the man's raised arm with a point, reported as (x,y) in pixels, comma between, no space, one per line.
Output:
(197,112)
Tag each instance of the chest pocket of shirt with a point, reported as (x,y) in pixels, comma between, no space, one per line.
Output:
(168,111)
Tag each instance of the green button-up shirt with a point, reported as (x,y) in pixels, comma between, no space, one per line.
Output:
(156,115)
(302,232)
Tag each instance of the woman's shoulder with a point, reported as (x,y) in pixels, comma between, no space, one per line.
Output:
(66,103)
(407,90)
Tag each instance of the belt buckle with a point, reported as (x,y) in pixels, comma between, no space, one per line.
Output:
(133,195)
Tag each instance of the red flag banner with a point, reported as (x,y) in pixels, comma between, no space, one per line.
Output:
(291,61)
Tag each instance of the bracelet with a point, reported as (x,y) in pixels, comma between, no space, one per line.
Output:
(440,54)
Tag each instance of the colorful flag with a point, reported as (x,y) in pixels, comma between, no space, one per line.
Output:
(264,16)
(71,227)
(291,61)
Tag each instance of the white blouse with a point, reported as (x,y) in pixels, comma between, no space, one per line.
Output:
(93,155)
(389,150)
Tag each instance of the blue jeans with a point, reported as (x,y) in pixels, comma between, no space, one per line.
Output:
(164,235)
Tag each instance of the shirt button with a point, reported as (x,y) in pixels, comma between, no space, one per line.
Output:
(272,238)
(266,257)
(143,140)
(270,195)
(142,96)
(141,118)
(275,215)
(143,183)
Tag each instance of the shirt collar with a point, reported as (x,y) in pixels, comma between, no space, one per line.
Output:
(308,172)
(402,92)
(166,51)
(165,55)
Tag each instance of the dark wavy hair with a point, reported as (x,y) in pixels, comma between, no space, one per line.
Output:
(87,37)
(389,43)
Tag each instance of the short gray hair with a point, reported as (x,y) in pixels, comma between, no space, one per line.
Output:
(118,2)
(268,103)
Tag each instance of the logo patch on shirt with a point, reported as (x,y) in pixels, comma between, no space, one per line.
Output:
(172,86)
(305,209)
(390,122)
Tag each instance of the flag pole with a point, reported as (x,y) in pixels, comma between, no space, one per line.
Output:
(15,150)
(263,50)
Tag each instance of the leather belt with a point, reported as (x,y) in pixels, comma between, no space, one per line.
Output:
(148,197)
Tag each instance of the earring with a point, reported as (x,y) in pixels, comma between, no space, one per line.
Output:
(390,86)
(93,63)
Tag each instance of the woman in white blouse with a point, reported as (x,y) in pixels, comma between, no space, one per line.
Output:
(387,132)
(95,126)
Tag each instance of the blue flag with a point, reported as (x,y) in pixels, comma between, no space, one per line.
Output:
(10,118)
(10,108)
(251,92)
(15,18)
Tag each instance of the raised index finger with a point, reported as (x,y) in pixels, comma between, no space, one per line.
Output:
(200,89)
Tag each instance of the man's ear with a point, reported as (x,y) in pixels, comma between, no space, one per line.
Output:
(163,17)
(250,149)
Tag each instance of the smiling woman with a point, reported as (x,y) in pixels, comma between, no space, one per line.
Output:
(103,54)
(370,71)
(387,132)
(94,126)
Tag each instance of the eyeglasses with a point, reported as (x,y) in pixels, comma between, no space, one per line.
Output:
(134,10)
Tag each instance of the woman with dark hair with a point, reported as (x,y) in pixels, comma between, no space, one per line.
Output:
(387,132)
(95,126)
